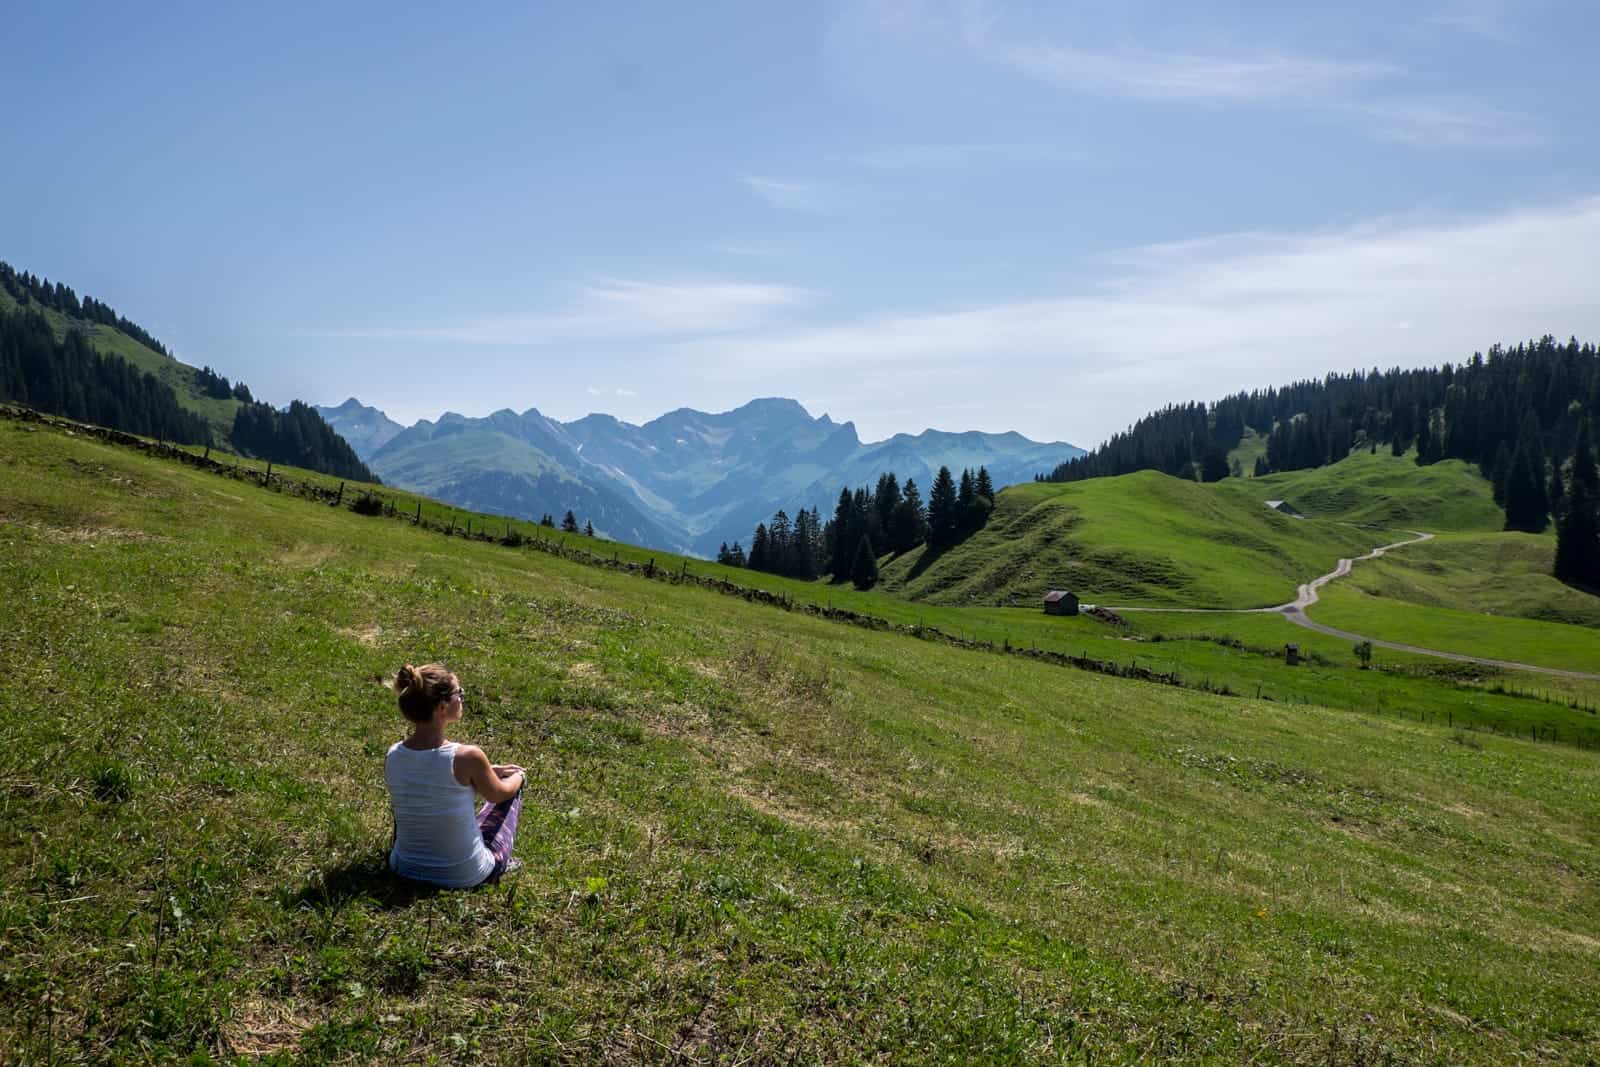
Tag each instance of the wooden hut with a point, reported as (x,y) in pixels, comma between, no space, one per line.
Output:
(1291,654)
(1060,602)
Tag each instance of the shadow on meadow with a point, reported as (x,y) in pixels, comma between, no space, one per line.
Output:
(365,878)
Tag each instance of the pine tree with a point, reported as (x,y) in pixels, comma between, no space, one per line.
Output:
(984,486)
(1499,471)
(839,542)
(1526,503)
(908,525)
(943,515)
(864,570)
(588,528)
(569,523)
(780,544)
(759,545)
(1526,508)
(723,555)
(1577,559)
(736,556)
(547,520)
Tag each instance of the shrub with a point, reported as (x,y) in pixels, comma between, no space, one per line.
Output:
(367,504)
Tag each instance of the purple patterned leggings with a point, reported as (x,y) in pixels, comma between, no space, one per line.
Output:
(499,825)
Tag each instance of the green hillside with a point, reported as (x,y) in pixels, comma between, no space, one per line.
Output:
(179,377)
(750,834)
(1242,653)
(1392,491)
(1143,538)
(1147,538)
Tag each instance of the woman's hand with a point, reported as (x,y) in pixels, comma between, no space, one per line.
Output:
(506,770)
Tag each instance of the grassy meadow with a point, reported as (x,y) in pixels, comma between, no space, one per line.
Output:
(751,835)
(1548,644)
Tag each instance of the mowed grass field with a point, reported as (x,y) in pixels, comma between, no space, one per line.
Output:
(1547,644)
(752,835)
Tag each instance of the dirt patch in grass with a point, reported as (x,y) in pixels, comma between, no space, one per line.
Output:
(1464,809)
(261,1028)
(305,556)
(79,535)
(1583,941)
(365,635)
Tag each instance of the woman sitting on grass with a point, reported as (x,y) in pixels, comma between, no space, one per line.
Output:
(437,837)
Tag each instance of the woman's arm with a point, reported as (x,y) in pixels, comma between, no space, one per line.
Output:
(472,768)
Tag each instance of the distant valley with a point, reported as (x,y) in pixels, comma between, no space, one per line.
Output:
(687,481)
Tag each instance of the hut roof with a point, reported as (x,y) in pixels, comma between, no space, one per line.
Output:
(1057,594)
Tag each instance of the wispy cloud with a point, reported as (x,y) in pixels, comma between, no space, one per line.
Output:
(1193,320)
(789,195)
(1374,92)
(615,309)
(1452,125)
(1148,75)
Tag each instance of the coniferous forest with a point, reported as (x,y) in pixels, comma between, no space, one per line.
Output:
(1523,415)
(69,377)
(867,524)
(297,436)
(28,289)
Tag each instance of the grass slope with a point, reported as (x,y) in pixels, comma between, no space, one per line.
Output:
(1142,538)
(179,377)
(1241,653)
(1523,640)
(1391,491)
(751,834)
(1490,573)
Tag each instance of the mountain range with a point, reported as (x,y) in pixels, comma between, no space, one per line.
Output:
(687,481)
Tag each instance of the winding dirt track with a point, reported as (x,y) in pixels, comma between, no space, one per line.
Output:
(1295,612)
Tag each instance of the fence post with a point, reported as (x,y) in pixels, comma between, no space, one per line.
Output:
(418,520)
(340,498)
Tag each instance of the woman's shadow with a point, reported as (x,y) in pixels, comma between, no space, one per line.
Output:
(365,878)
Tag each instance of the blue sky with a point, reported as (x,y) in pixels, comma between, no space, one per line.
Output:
(1048,218)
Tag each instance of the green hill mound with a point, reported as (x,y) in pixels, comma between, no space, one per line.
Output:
(1392,491)
(1147,538)
(750,834)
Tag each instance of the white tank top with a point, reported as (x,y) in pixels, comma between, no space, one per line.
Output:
(436,827)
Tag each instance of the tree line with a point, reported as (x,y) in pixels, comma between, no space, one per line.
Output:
(297,436)
(28,289)
(1523,415)
(69,376)
(214,385)
(867,524)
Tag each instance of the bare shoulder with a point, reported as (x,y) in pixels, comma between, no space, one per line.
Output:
(469,763)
